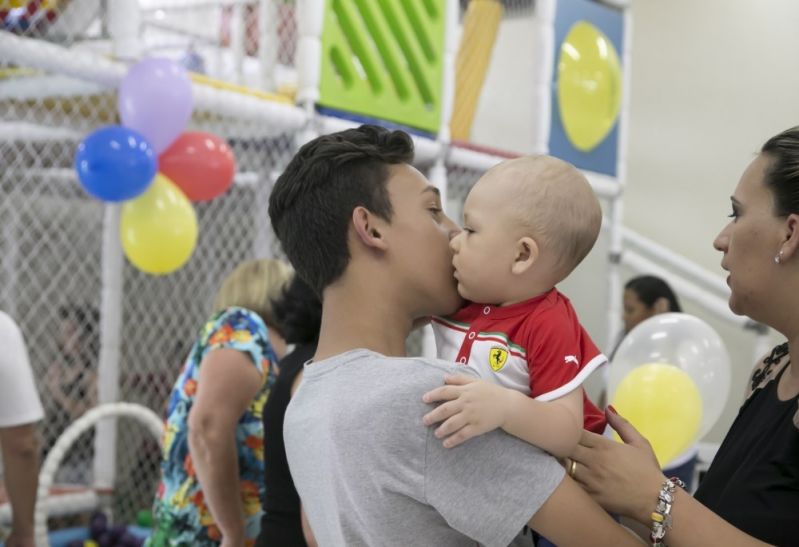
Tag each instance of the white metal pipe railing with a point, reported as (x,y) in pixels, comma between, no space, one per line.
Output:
(614,282)
(123,18)
(110,344)
(690,269)
(191,5)
(715,304)
(268,44)
(238,40)
(89,66)
(544,61)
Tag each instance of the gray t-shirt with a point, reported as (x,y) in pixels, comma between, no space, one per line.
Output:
(370,473)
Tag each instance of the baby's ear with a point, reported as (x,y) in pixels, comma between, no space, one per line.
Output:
(526,254)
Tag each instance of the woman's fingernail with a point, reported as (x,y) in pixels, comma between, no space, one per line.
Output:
(613,410)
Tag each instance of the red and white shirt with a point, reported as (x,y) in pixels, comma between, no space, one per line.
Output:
(537,347)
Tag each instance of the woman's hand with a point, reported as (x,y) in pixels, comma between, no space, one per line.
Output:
(622,478)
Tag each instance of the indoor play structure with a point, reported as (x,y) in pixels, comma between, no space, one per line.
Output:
(259,78)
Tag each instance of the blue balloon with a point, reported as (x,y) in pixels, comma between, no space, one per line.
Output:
(115,163)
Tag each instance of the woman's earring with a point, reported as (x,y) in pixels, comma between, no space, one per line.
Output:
(778,258)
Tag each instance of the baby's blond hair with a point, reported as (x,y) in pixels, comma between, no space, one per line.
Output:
(556,203)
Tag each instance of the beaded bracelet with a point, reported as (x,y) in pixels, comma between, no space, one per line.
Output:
(661,516)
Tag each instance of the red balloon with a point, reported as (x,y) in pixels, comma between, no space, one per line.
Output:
(201,164)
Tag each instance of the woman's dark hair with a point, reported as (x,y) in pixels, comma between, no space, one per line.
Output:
(649,288)
(783,175)
(298,312)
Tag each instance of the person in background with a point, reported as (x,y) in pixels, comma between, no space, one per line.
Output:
(299,312)
(213,453)
(750,494)
(646,296)
(20,410)
(71,386)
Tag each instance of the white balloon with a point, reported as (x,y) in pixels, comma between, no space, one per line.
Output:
(683,341)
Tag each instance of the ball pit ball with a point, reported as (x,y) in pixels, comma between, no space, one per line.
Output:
(97,525)
(117,531)
(105,540)
(128,540)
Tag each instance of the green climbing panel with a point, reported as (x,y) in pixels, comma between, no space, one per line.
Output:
(384,59)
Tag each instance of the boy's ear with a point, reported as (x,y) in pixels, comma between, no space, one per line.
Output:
(526,254)
(366,228)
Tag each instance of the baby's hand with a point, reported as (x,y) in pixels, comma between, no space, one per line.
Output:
(470,407)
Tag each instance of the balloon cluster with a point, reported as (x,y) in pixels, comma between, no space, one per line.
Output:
(154,168)
(103,535)
(670,378)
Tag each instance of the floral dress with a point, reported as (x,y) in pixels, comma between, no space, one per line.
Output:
(183,517)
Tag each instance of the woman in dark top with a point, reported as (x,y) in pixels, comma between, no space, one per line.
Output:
(299,313)
(750,494)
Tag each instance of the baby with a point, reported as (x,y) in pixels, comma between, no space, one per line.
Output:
(528,222)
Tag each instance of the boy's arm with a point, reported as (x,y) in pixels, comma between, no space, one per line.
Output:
(471,407)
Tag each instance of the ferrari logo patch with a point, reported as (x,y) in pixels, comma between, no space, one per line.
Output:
(497,358)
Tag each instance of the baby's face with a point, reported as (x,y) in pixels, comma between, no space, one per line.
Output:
(483,252)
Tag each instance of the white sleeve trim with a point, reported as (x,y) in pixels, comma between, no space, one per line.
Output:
(31,417)
(575,382)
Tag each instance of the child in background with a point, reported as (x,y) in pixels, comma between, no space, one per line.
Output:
(528,223)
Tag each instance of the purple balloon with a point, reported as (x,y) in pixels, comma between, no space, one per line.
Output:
(155,99)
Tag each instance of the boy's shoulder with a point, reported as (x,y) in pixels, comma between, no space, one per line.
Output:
(419,367)
(425,369)
(436,366)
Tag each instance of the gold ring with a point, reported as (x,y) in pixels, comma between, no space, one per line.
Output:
(572,468)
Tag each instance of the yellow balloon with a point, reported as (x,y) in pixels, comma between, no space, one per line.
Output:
(589,85)
(664,404)
(158,229)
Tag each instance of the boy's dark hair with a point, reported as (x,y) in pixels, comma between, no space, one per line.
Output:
(298,312)
(783,175)
(649,288)
(312,201)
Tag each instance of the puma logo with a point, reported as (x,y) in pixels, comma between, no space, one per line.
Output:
(571,359)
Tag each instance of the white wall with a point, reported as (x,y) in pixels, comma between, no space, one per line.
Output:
(711,81)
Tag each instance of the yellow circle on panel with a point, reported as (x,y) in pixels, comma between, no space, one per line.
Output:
(589,85)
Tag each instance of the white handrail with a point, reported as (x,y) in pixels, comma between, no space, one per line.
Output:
(44,502)
(690,269)
(92,67)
